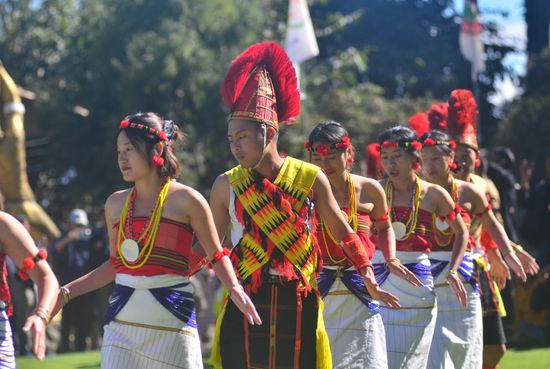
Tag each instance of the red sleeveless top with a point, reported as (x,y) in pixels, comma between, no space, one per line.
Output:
(333,253)
(421,239)
(171,254)
(443,240)
(4,288)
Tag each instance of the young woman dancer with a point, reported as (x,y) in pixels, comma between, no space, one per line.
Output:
(411,203)
(151,319)
(352,319)
(17,243)
(458,337)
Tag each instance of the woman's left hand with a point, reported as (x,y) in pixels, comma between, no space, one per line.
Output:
(37,326)
(403,272)
(245,305)
(528,262)
(458,288)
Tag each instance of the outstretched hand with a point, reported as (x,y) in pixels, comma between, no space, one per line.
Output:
(514,264)
(378,293)
(37,327)
(245,305)
(528,262)
(403,272)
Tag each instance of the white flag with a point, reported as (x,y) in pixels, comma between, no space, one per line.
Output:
(470,41)
(300,42)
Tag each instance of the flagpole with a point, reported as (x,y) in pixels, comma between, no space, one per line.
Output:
(477,95)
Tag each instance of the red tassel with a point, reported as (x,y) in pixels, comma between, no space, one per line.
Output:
(23,275)
(28,263)
(42,254)
(157,161)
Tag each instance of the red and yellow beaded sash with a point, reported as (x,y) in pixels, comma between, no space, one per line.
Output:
(277,223)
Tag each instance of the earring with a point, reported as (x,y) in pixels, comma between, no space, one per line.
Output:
(453,166)
(478,163)
(350,160)
(415,165)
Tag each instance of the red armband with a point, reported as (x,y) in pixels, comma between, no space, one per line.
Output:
(480,214)
(383,218)
(355,251)
(218,255)
(452,214)
(30,262)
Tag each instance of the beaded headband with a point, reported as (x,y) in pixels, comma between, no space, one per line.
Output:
(161,135)
(324,149)
(431,142)
(415,145)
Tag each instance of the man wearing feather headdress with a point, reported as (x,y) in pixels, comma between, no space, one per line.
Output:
(268,202)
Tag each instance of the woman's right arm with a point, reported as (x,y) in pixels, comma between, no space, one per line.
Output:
(100,276)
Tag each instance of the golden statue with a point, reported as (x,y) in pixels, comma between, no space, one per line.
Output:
(14,183)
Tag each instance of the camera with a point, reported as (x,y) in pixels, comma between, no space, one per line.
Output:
(85,234)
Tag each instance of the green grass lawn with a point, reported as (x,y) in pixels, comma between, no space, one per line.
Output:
(524,359)
(86,360)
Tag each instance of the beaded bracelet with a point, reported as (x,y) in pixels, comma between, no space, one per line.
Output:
(452,272)
(66,294)
(43,313)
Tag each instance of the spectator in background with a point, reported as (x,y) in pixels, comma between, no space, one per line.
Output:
(500,171)
(537,219)
(99,254)
(72,255)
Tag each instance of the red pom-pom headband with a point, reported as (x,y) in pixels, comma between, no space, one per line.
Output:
(324,149)
(415,145)
(161,135)
(431,142)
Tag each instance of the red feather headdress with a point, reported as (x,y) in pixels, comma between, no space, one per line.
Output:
(261,85)
(372,161)
(419,123)
(461,120)
(437,115)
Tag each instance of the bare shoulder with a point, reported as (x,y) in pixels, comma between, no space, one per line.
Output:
(367,184)
(369,188)
(115,203)
(221,184)
(431,190)
(183,195)
(469,189)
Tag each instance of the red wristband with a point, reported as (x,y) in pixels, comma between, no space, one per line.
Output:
(218,255)
(383,218)
(480,214)
(355,251)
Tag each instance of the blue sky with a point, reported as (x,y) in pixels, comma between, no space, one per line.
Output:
(514,31)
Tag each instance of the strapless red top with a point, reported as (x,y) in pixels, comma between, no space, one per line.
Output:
(421,239)
(443,240)
(332,253)
(172,251)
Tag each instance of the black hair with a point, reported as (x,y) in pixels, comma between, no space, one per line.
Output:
(143,139)
(329,132)
(438,136)
(399,135)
